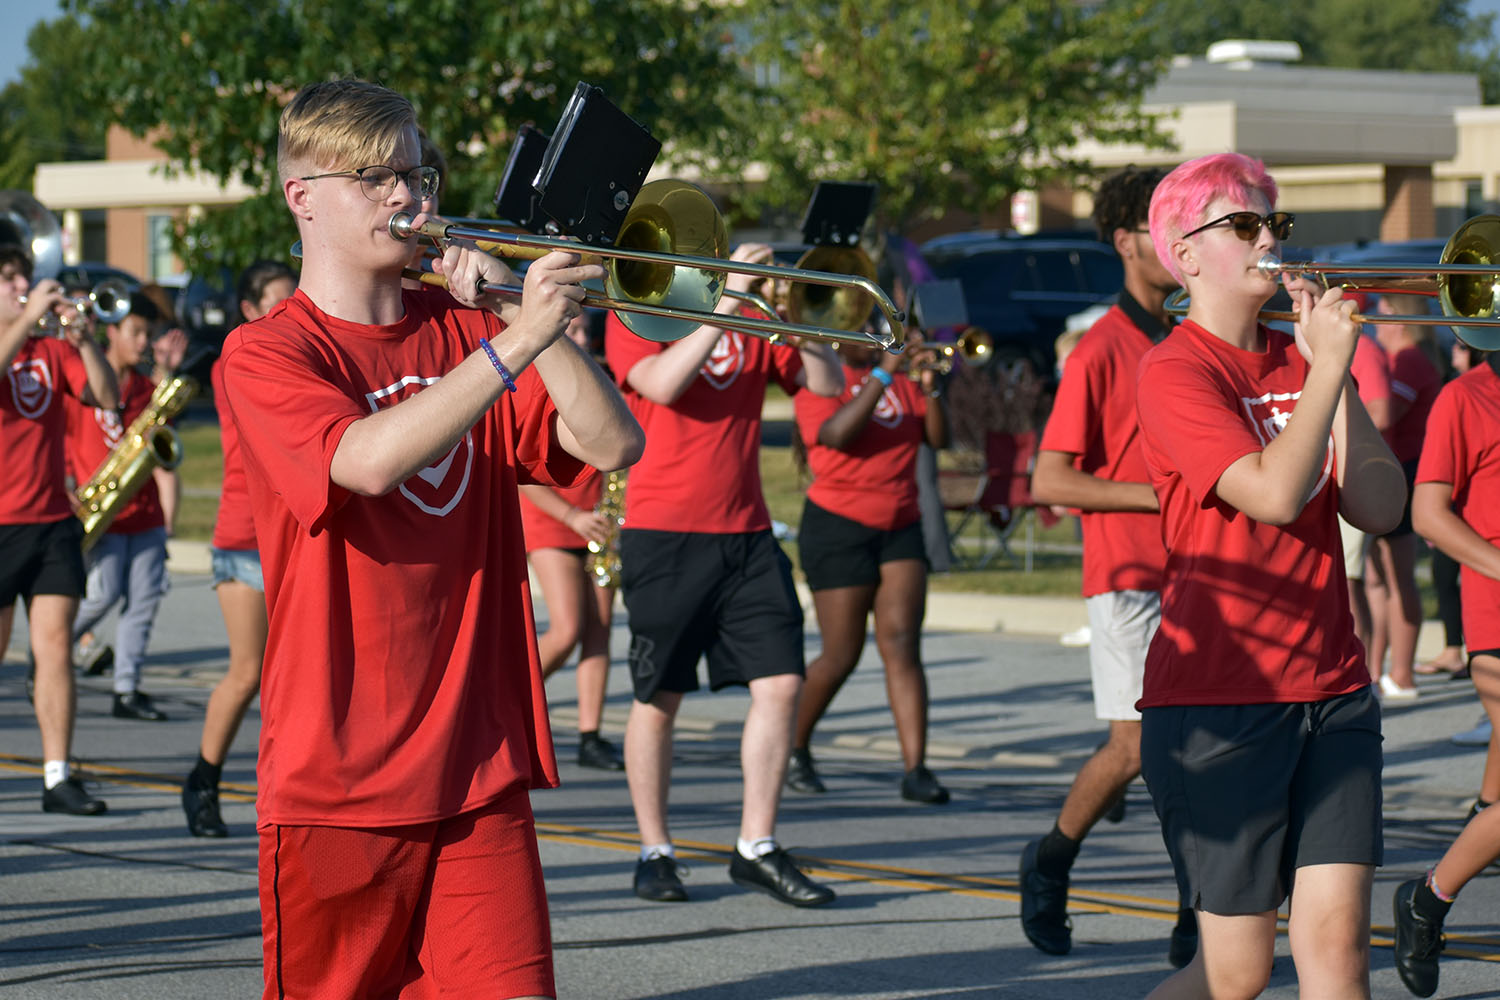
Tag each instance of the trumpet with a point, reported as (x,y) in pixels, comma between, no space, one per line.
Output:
(1466,283)
(668,270)
(109,301)
(975,347)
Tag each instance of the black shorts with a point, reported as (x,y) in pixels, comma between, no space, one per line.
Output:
(41,559)
(839,552)
(1247,794)
(1404,528)
(727,597)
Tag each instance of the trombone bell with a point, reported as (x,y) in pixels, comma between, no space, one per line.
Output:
(1473,296)
(668,217)
(842,308)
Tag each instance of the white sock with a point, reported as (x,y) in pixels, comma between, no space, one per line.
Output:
(54,772)
(649,851)
(757,848)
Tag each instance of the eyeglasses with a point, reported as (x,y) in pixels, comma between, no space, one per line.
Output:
(379,180)
(1246,225)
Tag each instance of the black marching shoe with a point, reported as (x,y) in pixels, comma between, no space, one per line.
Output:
(776,874)
(69,796)
(921,785)
(659,879)
(137,705)
(201,805)
(1044,906)
(1183,944)
(1418,943)
(599,753)
(801,776)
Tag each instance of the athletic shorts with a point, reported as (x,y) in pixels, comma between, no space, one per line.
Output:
(237,564)
(453,907)
(1121,624)
(1247,794)
(1355,544)
(839,552)
(41,559)
(729,598)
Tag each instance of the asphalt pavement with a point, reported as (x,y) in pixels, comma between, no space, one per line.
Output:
(128,905)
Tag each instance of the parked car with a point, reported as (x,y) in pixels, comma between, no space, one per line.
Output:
(1423,252)
(1022,289)
(89,274)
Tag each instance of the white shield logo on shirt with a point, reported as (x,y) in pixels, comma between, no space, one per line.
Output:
(727,360)
(888,411)
(109,425)
(31,387)
(1269,414)
(438,488)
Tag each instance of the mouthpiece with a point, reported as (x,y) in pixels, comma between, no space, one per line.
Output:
(400,226)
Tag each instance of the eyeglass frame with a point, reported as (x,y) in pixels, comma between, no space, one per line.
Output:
(405,177)
(1290,219)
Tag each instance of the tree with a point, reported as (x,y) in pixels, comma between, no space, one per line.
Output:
(1439,36)
(42,117)
(943,105)
(206,79)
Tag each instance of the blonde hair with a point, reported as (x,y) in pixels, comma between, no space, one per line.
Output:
(341,124)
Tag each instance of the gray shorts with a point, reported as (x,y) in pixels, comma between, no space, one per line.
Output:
(1121,624)
(1247,794)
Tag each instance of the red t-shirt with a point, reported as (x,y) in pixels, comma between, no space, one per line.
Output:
(234,525)
(1094,418)
(401,681)
(1370,370)
(1463,449)
(33,431)
(873,480)
(1251,613)
(543,531)
(93,433)
(701,469)
(1415,380)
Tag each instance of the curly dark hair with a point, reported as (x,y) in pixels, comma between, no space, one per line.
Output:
(1124,199)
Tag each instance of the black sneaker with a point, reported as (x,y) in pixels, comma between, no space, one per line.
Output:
(1418,943)
(776,874)
(69,796)
(95,658)
(1044,906)
(921,785)
(1183,944)
(599,753)
(659,879)
(137,705)
(801,776)
(201,806)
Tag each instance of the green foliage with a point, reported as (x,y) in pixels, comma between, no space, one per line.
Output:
(206,80)
(1439,36)
(43,117)
(948,105)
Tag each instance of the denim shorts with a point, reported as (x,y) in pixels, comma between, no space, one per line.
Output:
(238,564)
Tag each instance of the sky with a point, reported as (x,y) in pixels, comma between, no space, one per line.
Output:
(28,12)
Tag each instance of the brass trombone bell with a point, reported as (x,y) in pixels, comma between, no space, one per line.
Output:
(1466,283)
(667,270)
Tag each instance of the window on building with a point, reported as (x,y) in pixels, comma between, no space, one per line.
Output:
(161,262)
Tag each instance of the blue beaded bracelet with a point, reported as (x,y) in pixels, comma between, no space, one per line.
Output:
(882,376)
(510,383)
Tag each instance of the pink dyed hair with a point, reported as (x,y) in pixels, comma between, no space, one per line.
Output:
(1180,202)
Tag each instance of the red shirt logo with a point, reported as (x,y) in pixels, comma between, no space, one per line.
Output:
(438,488)
(31,387)
(1269,413)
(727,360)
(888,411)
(109,425)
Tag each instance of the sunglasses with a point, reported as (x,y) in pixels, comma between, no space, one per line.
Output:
(1246,225)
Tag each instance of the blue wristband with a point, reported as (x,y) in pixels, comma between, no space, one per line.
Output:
(510,383)
(882,376)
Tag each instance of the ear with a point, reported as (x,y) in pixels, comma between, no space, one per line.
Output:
(297,195)
(1184,256)
(1124,245)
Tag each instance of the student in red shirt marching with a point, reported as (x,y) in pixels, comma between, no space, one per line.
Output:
(238,581)
(703,577)
(40,558)
(384,436)
(1260,734)
(1090,459)
(128,563)
(560,524)
(862,547)
(1456,506)
(1391,582)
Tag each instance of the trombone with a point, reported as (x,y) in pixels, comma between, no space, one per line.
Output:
(1466,283)
(663,293)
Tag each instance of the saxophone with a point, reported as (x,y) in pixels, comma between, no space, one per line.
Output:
(604,557)
(146,444)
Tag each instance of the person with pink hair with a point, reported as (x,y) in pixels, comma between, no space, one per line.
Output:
(1260,734)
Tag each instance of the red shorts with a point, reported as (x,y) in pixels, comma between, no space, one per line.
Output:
(445,909)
